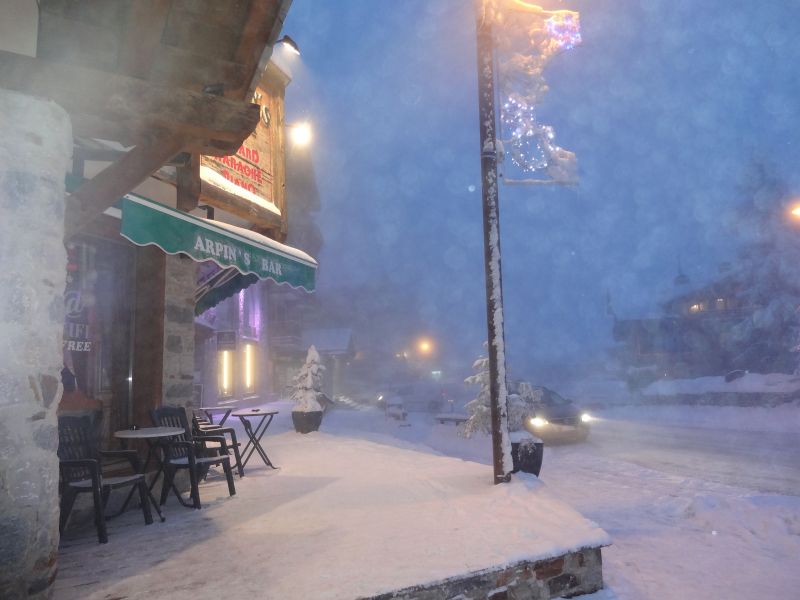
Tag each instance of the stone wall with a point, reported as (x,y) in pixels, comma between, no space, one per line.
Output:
(35,151)
(178,377)
(570,575)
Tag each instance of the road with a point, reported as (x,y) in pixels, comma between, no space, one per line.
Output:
(762,462)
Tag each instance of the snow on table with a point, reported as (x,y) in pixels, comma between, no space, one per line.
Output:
(342,518)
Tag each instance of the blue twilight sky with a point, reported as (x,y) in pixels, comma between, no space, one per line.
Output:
(665,103)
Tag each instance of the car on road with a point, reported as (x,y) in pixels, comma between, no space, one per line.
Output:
(552,417)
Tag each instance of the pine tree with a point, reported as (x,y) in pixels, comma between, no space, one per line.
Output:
(479,409)
(307,383)
(768,270)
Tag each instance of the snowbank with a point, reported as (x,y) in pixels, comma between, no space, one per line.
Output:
(754,383)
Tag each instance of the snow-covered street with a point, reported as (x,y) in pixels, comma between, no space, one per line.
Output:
(758,461)
(653,479)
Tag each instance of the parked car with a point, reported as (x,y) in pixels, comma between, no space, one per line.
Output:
(553,417)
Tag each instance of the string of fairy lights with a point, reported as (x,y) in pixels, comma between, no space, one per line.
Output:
(528,38)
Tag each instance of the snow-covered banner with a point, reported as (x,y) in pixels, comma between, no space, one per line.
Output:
(526,38)
(145,222)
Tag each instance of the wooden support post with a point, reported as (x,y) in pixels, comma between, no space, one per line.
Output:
(98,194)
(189,184)
(148,338)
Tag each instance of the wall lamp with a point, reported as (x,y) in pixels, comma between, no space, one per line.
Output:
(290,43)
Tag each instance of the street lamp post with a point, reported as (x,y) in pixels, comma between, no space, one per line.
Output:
(501,445)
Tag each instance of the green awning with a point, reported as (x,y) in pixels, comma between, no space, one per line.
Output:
(145,222)
(215,285)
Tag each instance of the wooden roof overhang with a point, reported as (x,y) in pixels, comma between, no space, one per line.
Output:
(167,80)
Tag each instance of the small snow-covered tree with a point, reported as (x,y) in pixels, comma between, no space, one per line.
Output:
(479,409)
(307,383)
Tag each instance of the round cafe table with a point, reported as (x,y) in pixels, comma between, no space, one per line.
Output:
(154,436)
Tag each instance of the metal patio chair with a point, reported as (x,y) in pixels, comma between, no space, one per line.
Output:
(190,451)
(203,426)
(80,466)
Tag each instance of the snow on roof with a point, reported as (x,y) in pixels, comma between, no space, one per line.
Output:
(211,176)
(264,241)
(329,341)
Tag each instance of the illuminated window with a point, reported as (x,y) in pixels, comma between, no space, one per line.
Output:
(224,373)
(696,308)
(720,303)
(249,365)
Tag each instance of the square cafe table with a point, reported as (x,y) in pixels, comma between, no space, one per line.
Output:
(264,418)
(212,410)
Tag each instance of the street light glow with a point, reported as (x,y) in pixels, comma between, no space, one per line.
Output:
(424,346)
(795,212)
(300,134)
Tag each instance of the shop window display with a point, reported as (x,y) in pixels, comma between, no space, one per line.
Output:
(98,310)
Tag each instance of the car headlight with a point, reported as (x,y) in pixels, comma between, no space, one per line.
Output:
(538,421)
(585,417)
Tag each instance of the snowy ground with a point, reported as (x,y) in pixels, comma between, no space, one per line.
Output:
(678,533)
(343,517)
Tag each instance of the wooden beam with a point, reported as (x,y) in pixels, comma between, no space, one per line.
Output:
(177,67)
(189,184)
(255,34)
(135,105)
(100,154)
(258,28)
(113,182)
(142,36)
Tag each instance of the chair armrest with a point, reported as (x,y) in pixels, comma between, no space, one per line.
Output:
(190,447)
(130,455)
(216,429)
(220,439)
(84,463)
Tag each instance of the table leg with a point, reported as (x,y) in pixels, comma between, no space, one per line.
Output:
(224,418)
(151,445)
(254,444)
(150,487)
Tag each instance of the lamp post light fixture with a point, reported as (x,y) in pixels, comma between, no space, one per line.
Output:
(501,444)
(544,33)
(290,45)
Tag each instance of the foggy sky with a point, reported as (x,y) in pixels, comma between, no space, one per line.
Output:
(665,103)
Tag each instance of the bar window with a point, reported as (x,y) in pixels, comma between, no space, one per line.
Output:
(249,368)
(225,373)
